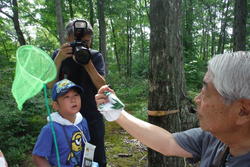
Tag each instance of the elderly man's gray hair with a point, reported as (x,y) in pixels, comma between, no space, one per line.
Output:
(231,75)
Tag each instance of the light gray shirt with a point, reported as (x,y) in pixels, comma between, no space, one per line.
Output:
(208,149)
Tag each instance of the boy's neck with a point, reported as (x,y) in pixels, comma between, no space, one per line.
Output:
(70,118)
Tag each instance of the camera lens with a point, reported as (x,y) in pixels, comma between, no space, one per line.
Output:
(82,55)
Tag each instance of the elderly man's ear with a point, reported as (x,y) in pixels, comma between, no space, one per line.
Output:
(244,112)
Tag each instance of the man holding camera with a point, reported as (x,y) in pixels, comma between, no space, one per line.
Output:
(85,67)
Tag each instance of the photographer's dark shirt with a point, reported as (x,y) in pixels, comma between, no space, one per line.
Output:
(77,74)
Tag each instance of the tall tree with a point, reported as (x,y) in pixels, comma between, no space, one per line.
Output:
(91,12)
(71,13)
(59,21)
(224,23)
(102,30)
(129,44)
(115,46)
(239,29)
(166,77)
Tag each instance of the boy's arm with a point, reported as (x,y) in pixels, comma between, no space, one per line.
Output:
(40,161)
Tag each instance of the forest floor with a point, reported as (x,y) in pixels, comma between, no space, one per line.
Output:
(122,149)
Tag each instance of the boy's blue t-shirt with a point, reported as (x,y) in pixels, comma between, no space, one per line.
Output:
(45,146)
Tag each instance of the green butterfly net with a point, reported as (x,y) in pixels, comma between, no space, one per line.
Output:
(34,68)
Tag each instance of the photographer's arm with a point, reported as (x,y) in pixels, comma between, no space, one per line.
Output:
(96,78)
(64,52)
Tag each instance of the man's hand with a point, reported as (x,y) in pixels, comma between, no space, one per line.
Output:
(108,104)
(100,97)
(64,52)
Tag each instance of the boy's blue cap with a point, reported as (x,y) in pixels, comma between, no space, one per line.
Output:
(62,87)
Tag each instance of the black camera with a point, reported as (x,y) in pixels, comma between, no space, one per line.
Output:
(79,46)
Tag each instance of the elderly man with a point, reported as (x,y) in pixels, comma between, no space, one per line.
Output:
(223,109)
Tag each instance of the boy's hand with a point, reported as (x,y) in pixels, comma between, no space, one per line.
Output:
(108,104)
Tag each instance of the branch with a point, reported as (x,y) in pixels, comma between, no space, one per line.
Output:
(6,14)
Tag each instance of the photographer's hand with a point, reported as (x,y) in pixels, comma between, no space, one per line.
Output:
(64,52)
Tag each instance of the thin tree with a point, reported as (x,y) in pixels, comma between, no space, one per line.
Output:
(91,12)
(59,21)
(71,13)
(239,29)
(102,30)
(224,23)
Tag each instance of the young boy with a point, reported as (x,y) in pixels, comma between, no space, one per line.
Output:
(70,127)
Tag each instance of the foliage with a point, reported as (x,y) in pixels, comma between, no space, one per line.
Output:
(19,129)
(132,92)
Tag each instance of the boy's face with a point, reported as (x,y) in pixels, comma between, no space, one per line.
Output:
(68,104)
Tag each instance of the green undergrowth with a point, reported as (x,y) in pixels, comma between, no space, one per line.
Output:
(122,149)
(19,129)
(134,93)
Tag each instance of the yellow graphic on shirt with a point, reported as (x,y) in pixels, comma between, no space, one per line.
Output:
(74,156)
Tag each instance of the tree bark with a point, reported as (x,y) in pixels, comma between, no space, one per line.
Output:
(188,29)
(224,22)
(102,30)
(166,74)
(239,29)
(15,18)
(129,44)
(141,29)
(115,46)
(71,9)
(59,21)
(91,13)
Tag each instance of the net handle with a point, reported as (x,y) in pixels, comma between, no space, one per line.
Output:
(51,124)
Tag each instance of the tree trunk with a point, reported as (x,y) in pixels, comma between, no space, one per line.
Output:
(224,21)
(15,18)
(188,29)
(141,30)
(102,30)
(146,6)
(115,46)
(71,9)
(129,44)
(91,13)
(59,21)
(212,22)
(239,29)
(166,73)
